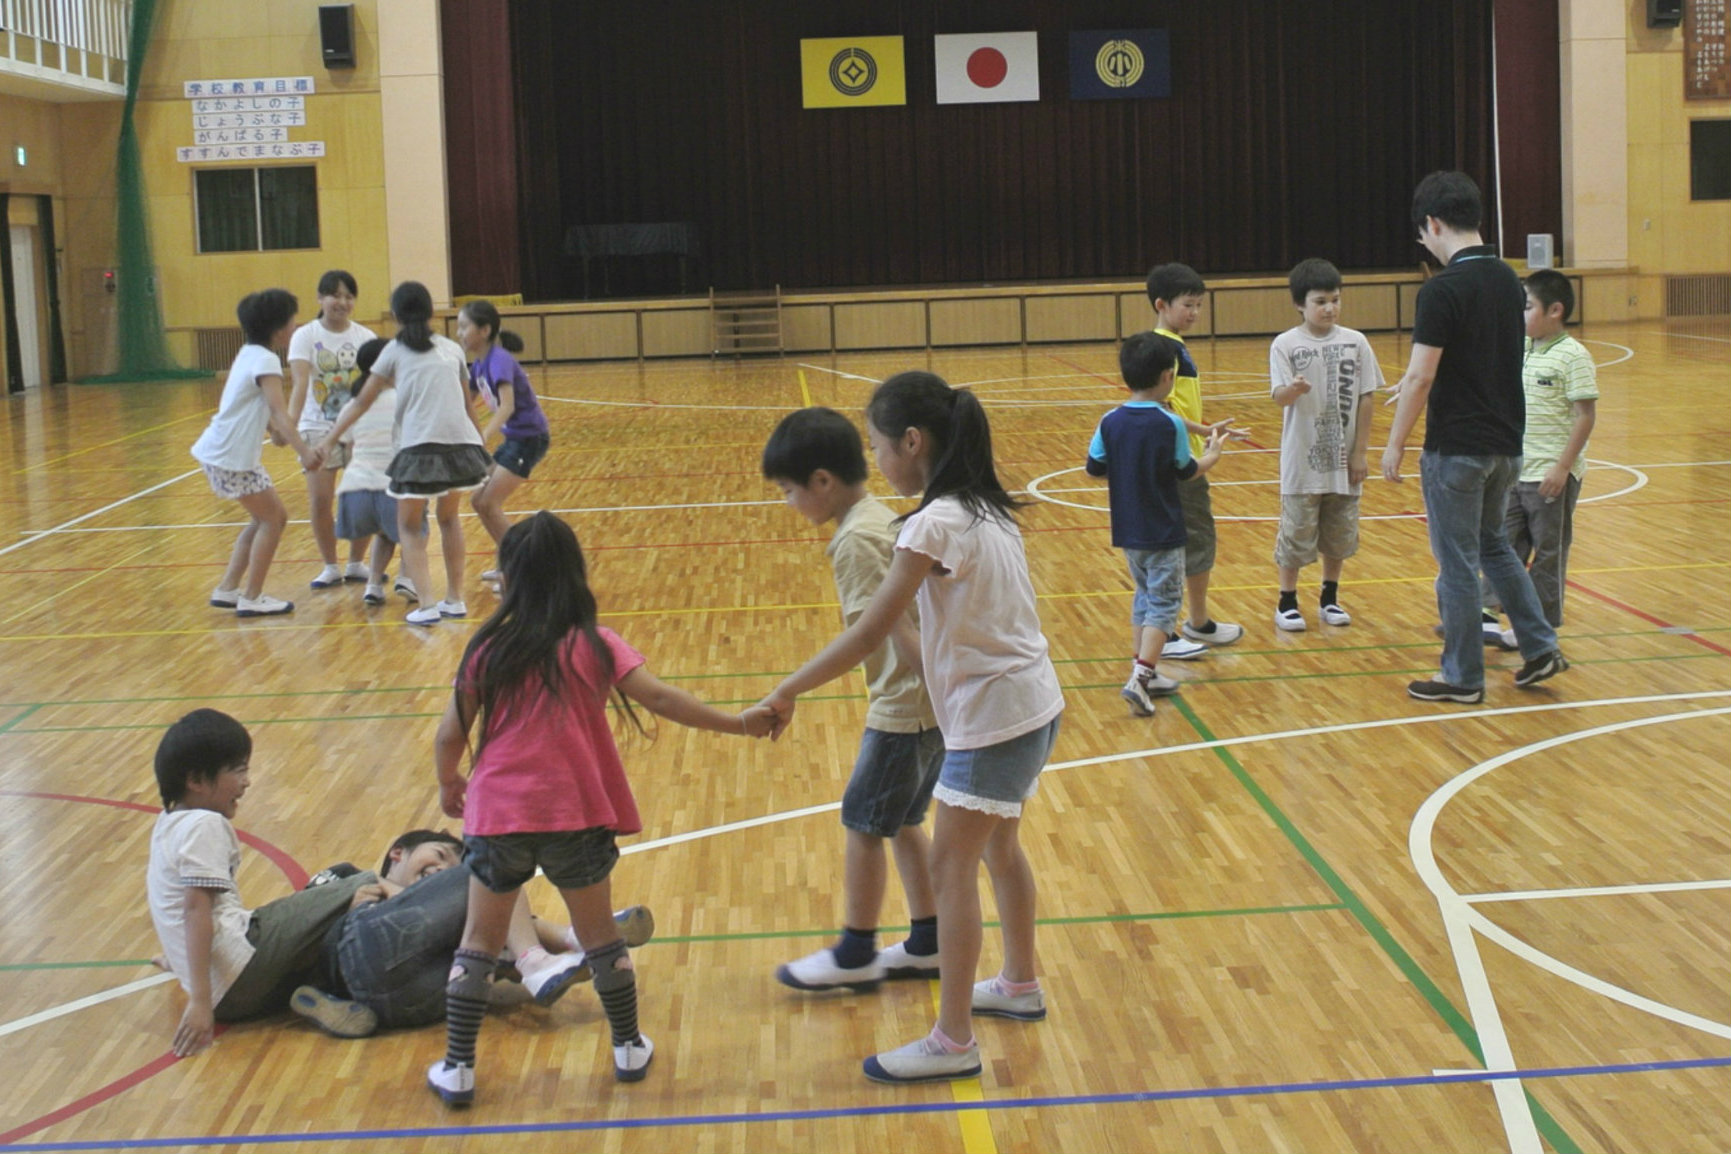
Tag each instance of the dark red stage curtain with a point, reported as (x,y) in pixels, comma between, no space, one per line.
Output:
(1529,122)
(1293,131)
(481,146)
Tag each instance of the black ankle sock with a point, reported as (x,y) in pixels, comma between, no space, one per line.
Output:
(1330,593)
(1207,627)
(923,937)
(855,948)
(1288,600)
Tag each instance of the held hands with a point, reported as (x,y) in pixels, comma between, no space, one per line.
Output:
(313,458)
(196,1031)
(758,721)
(780,709)
(451,793)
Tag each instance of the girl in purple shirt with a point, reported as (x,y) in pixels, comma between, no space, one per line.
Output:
(501,382)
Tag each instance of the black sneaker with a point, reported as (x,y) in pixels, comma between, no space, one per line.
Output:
(1443,691)
(1540,668)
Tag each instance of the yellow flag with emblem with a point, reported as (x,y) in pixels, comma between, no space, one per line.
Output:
(847,72)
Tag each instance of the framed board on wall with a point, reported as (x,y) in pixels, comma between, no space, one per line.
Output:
(1706,75)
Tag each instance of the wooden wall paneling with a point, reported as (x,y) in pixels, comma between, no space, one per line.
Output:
(806,328)
(591,336)
(676,332)
(890,325)
(984,321)
(1090,317)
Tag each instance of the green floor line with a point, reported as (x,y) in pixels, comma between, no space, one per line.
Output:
(75,965)
(7,728)
(1457,1022)
(1093,919)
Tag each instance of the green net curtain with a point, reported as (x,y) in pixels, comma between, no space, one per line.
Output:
(142,346)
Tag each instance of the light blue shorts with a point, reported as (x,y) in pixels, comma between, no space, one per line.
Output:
(1159,578)
(997,779)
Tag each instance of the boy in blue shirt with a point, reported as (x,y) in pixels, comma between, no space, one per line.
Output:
(1142,449)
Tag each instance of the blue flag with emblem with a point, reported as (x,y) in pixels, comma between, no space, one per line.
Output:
(1120,64)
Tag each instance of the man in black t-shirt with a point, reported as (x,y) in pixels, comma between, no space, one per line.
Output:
(1465,375)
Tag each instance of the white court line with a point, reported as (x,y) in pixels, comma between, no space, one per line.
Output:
(1685,336)
(61,1011)
(1461,920)
(64,526)
(1628,353)
(1596,891)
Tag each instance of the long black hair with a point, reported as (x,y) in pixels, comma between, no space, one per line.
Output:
(961,438)
(412,305)
(546,600)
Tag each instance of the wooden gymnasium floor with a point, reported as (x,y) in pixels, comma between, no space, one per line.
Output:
(1296,910)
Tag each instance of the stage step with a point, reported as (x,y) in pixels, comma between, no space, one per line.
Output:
(746,323)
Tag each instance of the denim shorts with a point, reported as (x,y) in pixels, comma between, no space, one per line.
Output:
(997,779)
(892,781)
(571,859)
(1159,578)
(520,455)
(1198,525)
(365,512)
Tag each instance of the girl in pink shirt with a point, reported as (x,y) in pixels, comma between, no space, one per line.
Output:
(546,787)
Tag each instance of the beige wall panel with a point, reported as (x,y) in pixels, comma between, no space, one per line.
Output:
(1408,304)
(1607,298)
(1239,312)
(591,336)
(805,328)
(529,328)
(36,126)
(677,333)
(891,325)
(1093,317)
(977,322)
(1137,316)
(1369,308)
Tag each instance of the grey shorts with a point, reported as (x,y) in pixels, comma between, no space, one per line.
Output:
(1198,525)
(997,779)
(364,512)
(287,938)
(1312,523)
(571,859)
(1159,578)
(892,781)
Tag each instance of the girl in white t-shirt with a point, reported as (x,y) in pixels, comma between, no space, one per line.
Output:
(439,453)
(231,450)
(960,556)
(321,358)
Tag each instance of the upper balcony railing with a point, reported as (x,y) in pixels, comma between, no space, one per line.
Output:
(66,48)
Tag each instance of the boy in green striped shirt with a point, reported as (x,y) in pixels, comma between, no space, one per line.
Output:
(1561,390)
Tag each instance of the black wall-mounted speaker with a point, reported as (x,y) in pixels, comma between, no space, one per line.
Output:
(337,34)
(1664,13)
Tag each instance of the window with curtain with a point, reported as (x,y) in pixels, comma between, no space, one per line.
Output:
(257,209)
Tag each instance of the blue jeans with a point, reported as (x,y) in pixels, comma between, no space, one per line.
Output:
(395,956)
(1466,501)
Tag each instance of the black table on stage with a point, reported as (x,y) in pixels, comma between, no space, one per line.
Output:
(671,238)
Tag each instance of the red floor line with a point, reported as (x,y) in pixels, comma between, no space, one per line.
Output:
(1647,617)
(291,869)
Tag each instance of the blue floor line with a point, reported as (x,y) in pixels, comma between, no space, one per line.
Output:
(1132,1097)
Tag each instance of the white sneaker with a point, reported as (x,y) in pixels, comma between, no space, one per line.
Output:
(425,615)
(262,606)
(355,571)
(898,963)
(448,608)
(1290,620)
(1508,640)
(1141,702)
(407,588)
(924,1061)
(490,576)
(631,1061)
(1178,649)
(558,973)
(328,576)
(224,598)
(1224,633)
(818,971)
(1335,615)
(991,1000)
(455,1085)
(375,594)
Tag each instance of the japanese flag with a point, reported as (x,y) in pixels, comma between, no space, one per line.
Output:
(988,67)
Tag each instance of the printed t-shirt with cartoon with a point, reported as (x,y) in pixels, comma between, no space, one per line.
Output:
(1318,429)
(331,357)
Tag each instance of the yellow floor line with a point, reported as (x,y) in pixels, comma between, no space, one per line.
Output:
(804,390)
(976,1125)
